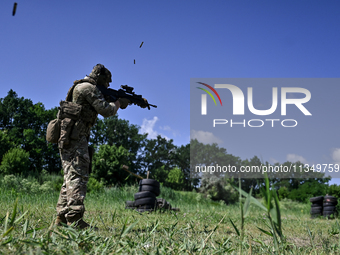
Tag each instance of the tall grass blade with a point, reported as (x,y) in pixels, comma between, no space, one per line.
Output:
(18,219)
(8,231)
(265,231)
(157,223)
(311,236)
(253,200)
(246,206)
(232,223)
(278,215)
(128,229)
(14,212)
(123,228)
(114,216)
(6,222)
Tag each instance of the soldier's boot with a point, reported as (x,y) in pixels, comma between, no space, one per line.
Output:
(60,219)
(78,222)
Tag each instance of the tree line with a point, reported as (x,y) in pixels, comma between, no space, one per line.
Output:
(24,150)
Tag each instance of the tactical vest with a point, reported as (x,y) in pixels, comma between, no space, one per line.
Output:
(76,119)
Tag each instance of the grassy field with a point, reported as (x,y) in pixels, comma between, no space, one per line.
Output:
(201,227)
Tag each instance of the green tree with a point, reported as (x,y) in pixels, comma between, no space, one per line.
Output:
(25,124)
(158,158)
(247,183)
(210,155)
(5,143)
(308,189)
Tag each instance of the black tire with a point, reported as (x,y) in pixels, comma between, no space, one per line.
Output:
(130,204)
(329,204)
(316,208)
(316,205)
(328,213)
(151,182)
(316,199)
(150,188)
(329,208)
(316,212)
(146,201)
(144,194)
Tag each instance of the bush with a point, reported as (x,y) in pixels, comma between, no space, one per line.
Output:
(218,189)
(107,162)
(283,193)
(334,190)
(308,190)
(30,185)
(175,179)
(10,181)
(94,186)
(46,187)
(15,161)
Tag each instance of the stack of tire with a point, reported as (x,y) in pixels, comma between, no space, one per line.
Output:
(316,209)
(145,198)
(329,206)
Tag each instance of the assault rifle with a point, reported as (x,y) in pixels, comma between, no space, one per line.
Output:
(125,92)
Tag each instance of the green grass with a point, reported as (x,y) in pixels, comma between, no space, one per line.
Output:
(201,227)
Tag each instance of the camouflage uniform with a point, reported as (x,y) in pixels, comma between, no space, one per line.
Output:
(74,153)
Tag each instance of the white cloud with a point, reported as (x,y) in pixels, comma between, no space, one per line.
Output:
(294,158)
(148,127)
(273,160)
(169,129)
(336,155)
(166,128)
(205,137)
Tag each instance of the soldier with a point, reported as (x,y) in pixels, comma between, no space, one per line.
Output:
(78,113)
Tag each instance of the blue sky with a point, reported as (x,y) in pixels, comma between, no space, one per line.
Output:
(49,44)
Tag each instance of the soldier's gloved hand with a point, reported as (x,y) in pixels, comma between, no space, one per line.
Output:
(144,105)
(124,102)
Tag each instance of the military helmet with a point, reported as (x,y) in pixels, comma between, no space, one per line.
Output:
(101,74)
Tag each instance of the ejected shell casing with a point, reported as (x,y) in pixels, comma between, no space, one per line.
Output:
(14,9)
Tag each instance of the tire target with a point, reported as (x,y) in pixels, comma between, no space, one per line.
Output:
(144,194)
(146,201)
(150,182)
(150,188)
